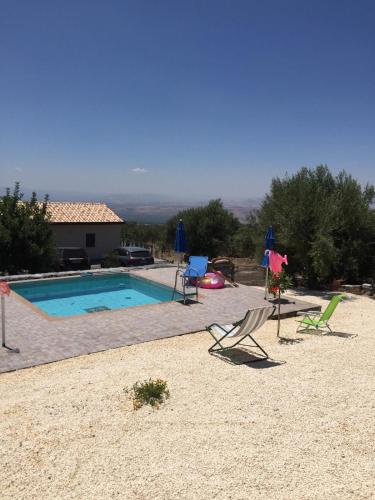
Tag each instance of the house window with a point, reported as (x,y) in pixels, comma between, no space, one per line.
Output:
(90,240)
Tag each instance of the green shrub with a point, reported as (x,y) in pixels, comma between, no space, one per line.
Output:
(26,236)
(325,223)
(209,229)
(111,260)
(149,392)
(279,282)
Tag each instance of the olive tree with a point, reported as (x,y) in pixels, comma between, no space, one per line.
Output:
(26,239)
(210,229)
(324,223)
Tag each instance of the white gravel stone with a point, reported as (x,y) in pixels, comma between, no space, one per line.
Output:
(300,427)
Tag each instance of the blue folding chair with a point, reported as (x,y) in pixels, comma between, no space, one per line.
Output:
(192,274)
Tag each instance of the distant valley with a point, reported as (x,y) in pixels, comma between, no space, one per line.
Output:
(160,213)
(146,208)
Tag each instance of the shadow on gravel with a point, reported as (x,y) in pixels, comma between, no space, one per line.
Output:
(343,335)
(322,294)
(288,341)
(237,356)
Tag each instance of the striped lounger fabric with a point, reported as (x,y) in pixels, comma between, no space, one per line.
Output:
(253,320)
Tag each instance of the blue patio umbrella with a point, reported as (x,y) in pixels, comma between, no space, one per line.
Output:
(269,242)
(270,239)
(180,244)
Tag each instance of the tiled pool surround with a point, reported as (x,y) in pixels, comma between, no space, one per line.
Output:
(42,341)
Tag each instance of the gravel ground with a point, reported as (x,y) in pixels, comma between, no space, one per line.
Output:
(301,426)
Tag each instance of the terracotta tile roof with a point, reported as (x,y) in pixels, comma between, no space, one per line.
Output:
(61,213)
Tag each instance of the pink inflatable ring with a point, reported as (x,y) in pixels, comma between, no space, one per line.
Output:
(212,280)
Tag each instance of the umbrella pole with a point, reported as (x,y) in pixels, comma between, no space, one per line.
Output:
(2,321)
(266,285)
(179,262)
(178,268)
(3,344)
(278,315)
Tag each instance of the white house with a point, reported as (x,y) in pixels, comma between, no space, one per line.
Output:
(92,226)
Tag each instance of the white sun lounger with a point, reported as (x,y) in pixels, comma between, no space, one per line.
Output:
(252,321)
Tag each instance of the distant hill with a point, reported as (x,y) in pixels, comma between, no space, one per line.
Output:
(146,208)
(159,213)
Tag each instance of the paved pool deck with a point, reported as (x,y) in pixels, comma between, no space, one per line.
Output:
(41,340)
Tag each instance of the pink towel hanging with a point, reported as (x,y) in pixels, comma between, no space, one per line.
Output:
(276,260)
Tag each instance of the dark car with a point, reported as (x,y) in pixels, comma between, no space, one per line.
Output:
(133,256)
(70,258)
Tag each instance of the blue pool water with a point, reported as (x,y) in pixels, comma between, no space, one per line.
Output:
(65,297)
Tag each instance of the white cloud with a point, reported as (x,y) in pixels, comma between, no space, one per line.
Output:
(139,170)
(18,169)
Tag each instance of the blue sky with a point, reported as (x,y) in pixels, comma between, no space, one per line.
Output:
(206,98)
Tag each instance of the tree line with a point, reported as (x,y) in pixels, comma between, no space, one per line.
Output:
(325,223)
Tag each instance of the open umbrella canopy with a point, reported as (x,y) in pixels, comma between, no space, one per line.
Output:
(269,240)
(180,245)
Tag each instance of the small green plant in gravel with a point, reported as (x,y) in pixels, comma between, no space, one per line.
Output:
(149,392)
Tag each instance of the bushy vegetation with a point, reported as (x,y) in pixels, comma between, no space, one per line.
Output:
(133,232)
(279,283)
(111,260)
(149,392)
(324,223)
(26,240)
(210,229)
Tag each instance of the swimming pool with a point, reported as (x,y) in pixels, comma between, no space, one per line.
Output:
(64,297)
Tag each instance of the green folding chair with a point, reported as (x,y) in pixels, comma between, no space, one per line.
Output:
(318,320)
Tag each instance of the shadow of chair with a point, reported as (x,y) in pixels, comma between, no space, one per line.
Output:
(289,341)
(343,335)
(236,356)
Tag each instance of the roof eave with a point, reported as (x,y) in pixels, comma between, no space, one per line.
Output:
(85,223)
